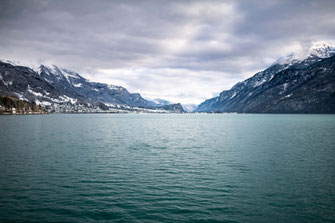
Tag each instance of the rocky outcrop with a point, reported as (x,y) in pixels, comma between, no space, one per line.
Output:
(176,108)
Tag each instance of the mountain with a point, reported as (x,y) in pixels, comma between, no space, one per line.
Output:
(75,86)
(159,102)
(290,85)
(176,108)
(189,107)
(61,90)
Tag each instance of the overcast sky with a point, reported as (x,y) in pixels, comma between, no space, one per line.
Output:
(182,51)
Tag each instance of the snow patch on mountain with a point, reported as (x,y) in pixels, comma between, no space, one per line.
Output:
(34,92)
(20,96)
(114,87)
(287,60)
(66,98)
(67,74)
(234,94)
(322,49)
(77,85)
(260,82)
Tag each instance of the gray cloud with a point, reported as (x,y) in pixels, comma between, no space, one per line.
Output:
(180,50)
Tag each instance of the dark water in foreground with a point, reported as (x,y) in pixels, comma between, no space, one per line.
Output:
(167,168)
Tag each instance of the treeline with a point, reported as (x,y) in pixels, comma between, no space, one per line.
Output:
(11,105)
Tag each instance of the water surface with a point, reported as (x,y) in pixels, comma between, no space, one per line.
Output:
(167,168)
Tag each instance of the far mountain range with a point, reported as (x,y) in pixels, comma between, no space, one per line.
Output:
(61,90)
(290,85)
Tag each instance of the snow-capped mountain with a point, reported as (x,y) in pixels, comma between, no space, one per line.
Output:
(315,53)
(276,88)
(76,86)
(322,50)
(64,90)
(159,102)
(189,107)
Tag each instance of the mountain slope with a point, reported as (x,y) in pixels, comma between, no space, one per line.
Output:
(26,84)
(61,90)
(288,86)
(310,90)
(76,86)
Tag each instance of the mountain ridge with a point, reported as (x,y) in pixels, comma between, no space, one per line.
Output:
(242,96)
(59,89)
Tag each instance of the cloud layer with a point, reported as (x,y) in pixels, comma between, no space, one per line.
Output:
(182,51)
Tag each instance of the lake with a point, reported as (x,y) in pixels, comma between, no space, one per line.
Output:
(167,168)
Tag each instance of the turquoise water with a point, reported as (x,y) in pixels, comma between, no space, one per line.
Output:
(167,168)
